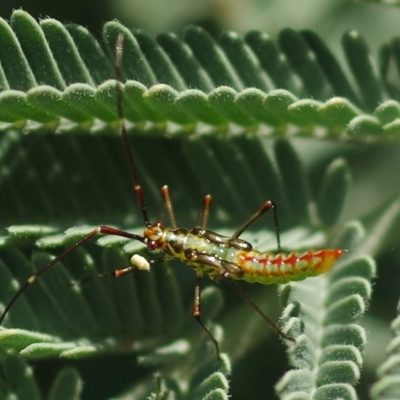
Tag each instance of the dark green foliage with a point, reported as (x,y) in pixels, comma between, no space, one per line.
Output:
(246,119)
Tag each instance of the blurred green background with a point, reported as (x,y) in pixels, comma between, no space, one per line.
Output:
(329,18)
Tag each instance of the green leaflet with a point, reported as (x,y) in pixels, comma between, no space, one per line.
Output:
(144,306)
(57,84)
(18,380)
(205,116)
(322,314)
(387,387)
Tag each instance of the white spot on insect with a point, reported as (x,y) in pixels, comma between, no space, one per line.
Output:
(140,262)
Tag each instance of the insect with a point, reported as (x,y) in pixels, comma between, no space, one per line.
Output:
(206,252)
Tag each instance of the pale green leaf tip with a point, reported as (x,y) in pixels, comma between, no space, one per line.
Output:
(226,100)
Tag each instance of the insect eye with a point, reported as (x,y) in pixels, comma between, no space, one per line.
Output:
(152,245)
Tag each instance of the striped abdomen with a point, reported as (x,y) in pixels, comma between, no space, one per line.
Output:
(268,268)
(214,255)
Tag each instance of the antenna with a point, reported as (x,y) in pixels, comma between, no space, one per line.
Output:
(108,230)
(119,47)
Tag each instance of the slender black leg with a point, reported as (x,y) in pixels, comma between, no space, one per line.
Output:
(117,273)
(108,230)
(262,210)
(250,301)
(197,315)
(168,205)
(206,211)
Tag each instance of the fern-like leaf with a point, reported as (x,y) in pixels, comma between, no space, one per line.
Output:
(323,315)
(201,114)
(50,90)
(388,385)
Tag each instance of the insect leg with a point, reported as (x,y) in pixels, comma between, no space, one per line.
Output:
(120,111)
(197,314)
(168,205)
(117,273)
(262,210)
(206,211)
(250,301)
(221,267)
(101,229)
(213,237)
